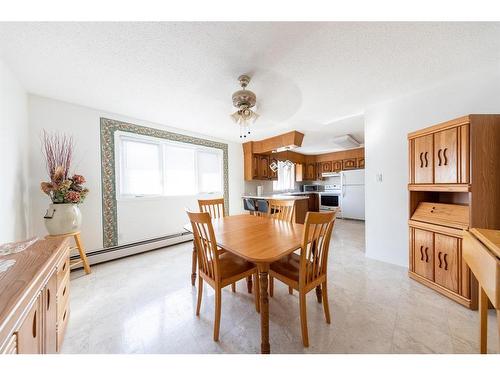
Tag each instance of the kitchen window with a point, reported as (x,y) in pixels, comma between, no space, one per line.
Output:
(286,176)
(153,167)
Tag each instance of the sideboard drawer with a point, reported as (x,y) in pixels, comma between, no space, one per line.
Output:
(63,267)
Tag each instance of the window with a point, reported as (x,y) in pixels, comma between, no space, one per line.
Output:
(150,166)
(141,168)
(286,176)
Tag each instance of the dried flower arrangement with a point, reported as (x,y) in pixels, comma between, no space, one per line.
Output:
(58,152)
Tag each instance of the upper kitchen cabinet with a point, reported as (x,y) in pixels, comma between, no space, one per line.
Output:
(264,170)
(423,165)
(440,156)
(445,151)
(260,155)
(350,163)
(326,167)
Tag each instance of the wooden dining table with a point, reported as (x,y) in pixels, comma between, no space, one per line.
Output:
(259,240)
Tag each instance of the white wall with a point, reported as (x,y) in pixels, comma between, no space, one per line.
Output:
(84,125)
(13,158)
(386,151)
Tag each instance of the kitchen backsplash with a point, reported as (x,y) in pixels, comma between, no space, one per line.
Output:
(251,186)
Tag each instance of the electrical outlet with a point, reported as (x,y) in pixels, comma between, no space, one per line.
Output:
(379,177)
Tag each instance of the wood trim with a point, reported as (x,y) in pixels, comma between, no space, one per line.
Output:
(446,292)
(440,187)
(436,228)
(441,126)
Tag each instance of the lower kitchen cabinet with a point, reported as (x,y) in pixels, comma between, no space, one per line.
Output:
(423,253)
(436,262)
(446,261)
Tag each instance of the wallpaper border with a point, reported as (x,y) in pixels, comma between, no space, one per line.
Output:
(108,128)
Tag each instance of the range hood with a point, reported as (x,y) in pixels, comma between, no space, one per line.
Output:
(330,174)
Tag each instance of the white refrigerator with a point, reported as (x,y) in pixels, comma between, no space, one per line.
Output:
(353,194)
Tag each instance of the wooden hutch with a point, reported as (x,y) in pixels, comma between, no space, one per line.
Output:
(454,185)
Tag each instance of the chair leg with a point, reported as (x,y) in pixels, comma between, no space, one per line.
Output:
(249,284)
(193,266)
(233,287)
(257,293)
(290,290)
(303,318)
(200,294)
(326,307)
(218,301)
(318,294)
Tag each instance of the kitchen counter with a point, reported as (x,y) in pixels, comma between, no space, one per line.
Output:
(276,196)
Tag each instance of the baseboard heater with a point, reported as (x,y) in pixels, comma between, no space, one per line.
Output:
(121,251)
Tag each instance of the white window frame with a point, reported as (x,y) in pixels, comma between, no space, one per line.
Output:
(119,136)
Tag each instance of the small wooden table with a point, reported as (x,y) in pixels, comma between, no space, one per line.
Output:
(259,240)
(481,252)
(78,246)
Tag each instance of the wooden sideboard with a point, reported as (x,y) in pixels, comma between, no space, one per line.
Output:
(34,299)
(454,184)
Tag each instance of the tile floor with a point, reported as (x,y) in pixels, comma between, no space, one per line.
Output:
(145,304)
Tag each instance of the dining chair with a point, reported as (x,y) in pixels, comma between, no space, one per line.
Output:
(218,268)
(216,209)
(281,209)
(308,270)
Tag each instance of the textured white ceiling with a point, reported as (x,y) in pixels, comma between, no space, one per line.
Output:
(306,76)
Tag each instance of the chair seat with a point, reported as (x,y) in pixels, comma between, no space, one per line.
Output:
(231,265)
(288,266)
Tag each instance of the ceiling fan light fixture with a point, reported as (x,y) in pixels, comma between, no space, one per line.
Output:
(244,100)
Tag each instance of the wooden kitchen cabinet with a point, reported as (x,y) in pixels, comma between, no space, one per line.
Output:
(423,164)
(326,167)
(337,165)
(264,171)
(349,164)
(255,167)
(445,154)
(454,185)
(311,171)
(423,253)
(446,261)
(361,163)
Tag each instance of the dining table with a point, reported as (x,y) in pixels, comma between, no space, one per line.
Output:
(260,240)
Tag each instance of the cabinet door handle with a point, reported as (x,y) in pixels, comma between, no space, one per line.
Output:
(48,299)
(445,158)
(439,157)
(421,161)
(426,160)
(439,257)
(426,255)
(421,253)
(445,262)
(34,325)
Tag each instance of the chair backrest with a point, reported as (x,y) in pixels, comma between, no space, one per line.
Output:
(315,244)
(215,207)
(206,245)
(281,209)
